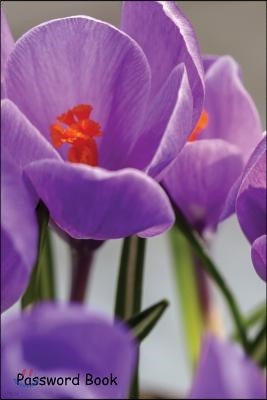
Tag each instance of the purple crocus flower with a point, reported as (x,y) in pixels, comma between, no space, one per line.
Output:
(224,372)
(118,104)
(57,341)
(19,230)
(251,206)
(203,174)
(19,234)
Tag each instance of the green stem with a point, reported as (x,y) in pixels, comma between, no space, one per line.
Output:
(130,282)
(129,288)
(82,258)
(187,292)
(41,286)
(47,281)
(213,272)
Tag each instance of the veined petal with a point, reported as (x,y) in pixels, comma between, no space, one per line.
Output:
(232,114)
(224,372)
(167,125)
(200,178)
(92,203)
(63,341)
(20,139)
(78,60)
(258,255)
(230,203)
(19,234)
(176,132)
(21,144)
(251,197)
(168,39)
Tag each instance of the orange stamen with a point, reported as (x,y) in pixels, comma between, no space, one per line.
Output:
(200,125)
(84,152)
(82,111)
(79,132)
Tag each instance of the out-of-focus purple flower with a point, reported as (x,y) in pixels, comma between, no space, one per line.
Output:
(64,341)
(200,179)
(251,206)
(224,372)
(121,101)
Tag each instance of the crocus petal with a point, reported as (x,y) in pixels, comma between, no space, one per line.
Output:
(7,44)
(232,114)
(258,255)
(251,197)
(176,131)
(79,60)
(60,340)
(224,372)
(168,39)
(200,178)
(229,205)
(20,139)
(167,125)
(92,203)
(19,234)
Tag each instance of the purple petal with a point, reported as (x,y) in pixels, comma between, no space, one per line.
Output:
(98,204)
(229,206)
(258,255)
(7,43)
(20,139)
(199,180)
(19,234)
(251,198)
(232,114)
(79,60)
(224,372)
(63,341)
(167,125)
(168,39)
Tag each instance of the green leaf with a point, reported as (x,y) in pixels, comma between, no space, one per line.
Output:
(143,323)
(184,227)
(254,317)
(187,293)
(41,286)
(258,345)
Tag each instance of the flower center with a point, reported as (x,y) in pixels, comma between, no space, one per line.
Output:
(200,125)
(76,128)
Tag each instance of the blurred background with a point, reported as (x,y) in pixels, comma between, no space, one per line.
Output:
(223,27)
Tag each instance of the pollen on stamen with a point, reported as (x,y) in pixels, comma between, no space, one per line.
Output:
(79,132)
(201,124)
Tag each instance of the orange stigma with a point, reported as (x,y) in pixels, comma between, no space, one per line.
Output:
(79,132)
(200,125)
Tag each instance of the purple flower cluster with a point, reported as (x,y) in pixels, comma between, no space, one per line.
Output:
(110,128)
